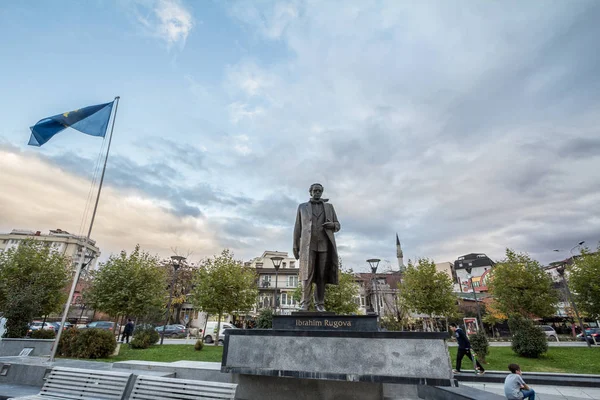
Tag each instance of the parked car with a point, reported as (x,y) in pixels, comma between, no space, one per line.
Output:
(104,325)
(175,330)
(591,334)
(550,332)
(68,325)
(37,325)
(211,331)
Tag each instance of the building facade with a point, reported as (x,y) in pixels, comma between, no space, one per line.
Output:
(480,264)
(60,241)
(286,278)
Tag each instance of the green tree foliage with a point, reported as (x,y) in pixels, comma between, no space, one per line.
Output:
(584,282)
(427,291)
(338,298)
(265,319)
(528,340)
(33,281)
(223,285)
(520,287)
(132,285)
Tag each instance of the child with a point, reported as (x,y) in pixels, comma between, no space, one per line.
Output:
(514,386)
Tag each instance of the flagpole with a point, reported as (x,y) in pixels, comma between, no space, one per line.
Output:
(87,240)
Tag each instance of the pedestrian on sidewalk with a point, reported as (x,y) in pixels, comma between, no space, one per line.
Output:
(464,349)
(515,387)
(127,331)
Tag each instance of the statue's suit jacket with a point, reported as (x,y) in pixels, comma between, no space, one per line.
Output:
(302,232)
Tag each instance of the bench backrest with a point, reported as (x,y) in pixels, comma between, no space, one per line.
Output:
(76,383)
(159,388)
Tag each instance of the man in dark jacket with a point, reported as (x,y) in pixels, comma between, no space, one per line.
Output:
(464,348)
(127,331)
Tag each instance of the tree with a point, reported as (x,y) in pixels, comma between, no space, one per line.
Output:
(399,317)
(182,286)
(520,287)
(33,278)
(223,285)
(338,298)
(131,285)
(584,281)
(427,291)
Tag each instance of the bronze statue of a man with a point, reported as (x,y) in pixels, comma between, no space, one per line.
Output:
(314,246)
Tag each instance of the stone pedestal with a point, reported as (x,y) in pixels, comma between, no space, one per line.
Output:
(376,357)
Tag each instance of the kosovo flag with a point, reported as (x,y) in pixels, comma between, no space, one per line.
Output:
(92,120)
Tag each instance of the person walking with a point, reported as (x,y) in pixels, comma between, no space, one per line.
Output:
(464,349)
(127,331)
(515,387)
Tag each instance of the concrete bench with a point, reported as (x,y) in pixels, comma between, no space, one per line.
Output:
(159,388)
(455,393)
(76,383)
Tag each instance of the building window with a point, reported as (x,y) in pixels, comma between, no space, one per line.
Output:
(265,281)
(292,264)
(283,264)
(292,281)
(259,265)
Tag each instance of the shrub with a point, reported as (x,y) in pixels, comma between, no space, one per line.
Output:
(480,345)
(87,343)
(68,342)
(139,342)
(265,319)
(199,345)
(528,340)
(147,334)
(43,334)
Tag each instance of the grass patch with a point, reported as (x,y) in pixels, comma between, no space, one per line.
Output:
(168,353)
(574,360)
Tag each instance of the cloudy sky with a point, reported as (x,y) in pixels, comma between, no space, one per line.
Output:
(466,126)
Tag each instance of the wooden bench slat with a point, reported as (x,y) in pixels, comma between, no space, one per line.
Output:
(105,373)
(80,384)
(179,381)
(163,396)
(186,386)
(182,395)
(83,384)
(161,388)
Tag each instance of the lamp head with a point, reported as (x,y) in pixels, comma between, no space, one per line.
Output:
(373,263)
(276,262)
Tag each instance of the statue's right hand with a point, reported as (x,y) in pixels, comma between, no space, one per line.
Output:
(296,254)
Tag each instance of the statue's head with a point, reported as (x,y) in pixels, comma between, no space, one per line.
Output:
(316,191)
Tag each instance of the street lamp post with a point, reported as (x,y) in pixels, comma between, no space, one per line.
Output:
(469,269)
(374,263)
(561,272)
(177,260)
(276,263)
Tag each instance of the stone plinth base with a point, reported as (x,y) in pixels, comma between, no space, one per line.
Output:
(378,357)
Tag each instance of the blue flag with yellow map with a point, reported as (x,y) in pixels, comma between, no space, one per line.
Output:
(92,120)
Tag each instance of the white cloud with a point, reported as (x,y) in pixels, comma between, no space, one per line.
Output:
(37,195)
(239,111)
(168,20)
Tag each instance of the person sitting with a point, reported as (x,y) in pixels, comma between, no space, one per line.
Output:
(515,387)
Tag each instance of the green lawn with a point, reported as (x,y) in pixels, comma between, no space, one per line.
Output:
(575,360)
(168,353)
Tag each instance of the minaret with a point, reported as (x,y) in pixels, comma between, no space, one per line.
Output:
(399,254)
